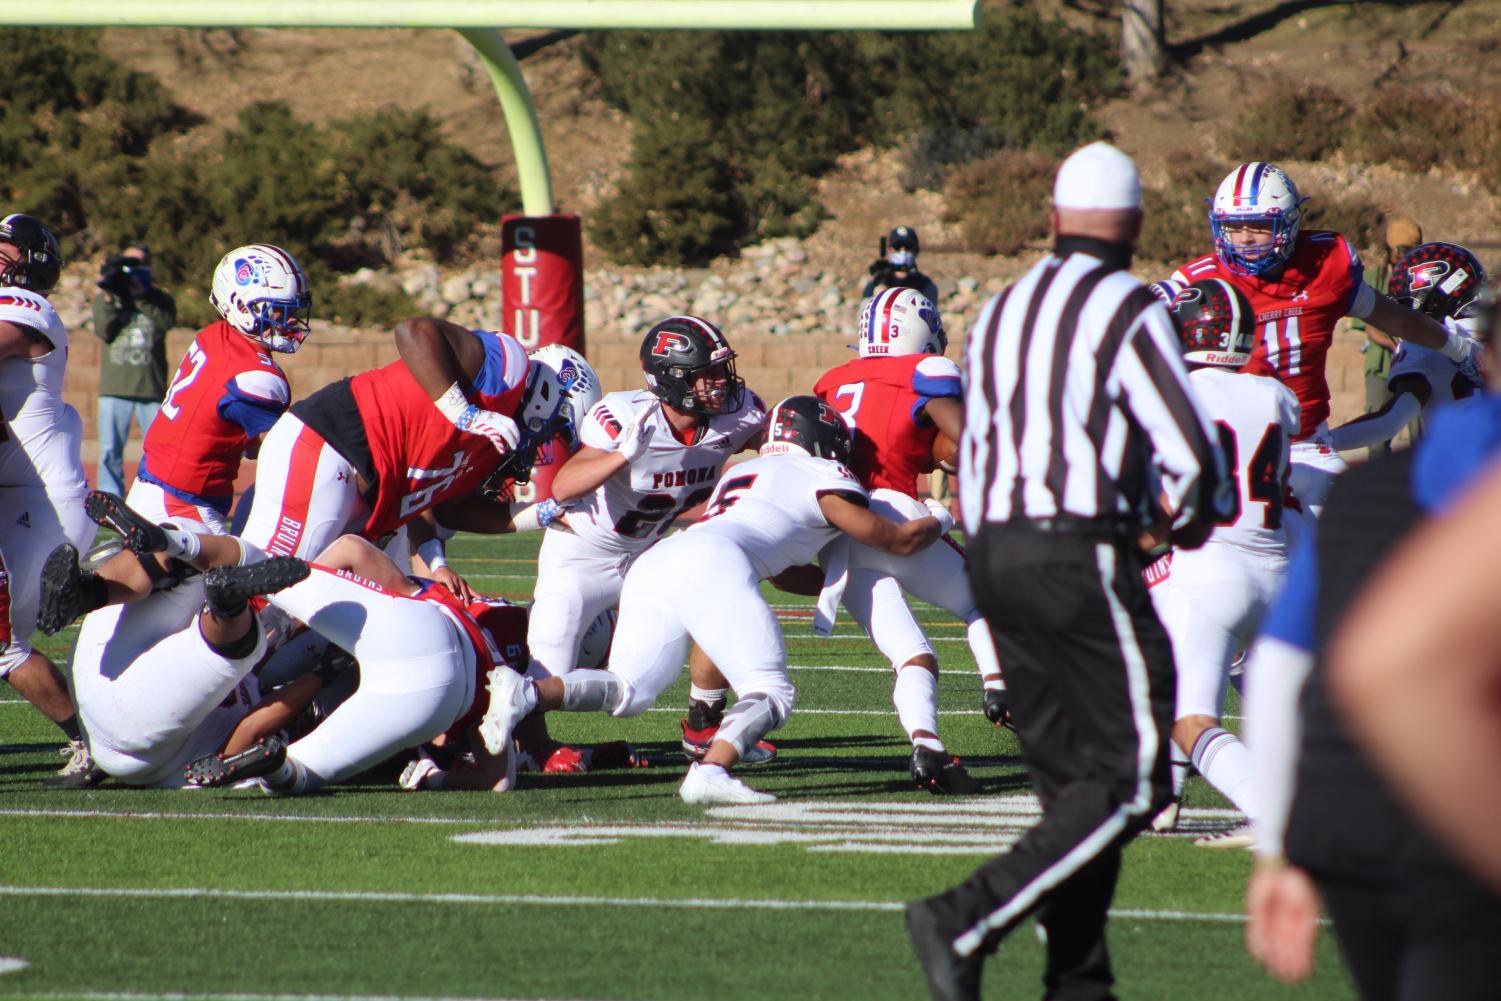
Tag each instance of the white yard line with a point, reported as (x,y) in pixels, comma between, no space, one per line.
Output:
(540,900)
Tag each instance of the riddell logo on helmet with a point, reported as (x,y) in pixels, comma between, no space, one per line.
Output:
(669,341)
(1215,358)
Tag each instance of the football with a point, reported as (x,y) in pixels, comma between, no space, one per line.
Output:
(946,453)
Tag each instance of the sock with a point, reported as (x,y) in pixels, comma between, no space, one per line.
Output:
(993,683)
(713,696)
(182,545)
(249,552)
(93,592)
(291,778)
(589,691)
(1224,761)
(915,696)
(69,727)
(705,714)
(983,647)
(239,648)
(1180,770)
(701,766)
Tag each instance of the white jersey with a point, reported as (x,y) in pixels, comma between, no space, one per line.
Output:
(636,505)
(42,435)
(769,508)
(1256,417)
(1445,383)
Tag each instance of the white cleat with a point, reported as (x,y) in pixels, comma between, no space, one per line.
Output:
(1236,837)
(416,773)
(512,697)
(711,784)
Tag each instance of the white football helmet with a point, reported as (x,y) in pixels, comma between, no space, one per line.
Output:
(900,321)
(594,648)
(1257,192)
(561,387)
(262,292)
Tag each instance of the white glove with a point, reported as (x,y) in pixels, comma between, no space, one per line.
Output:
(500,429)
(635,438)
(940,511)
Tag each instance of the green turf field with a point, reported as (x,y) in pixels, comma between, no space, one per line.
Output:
(601,886)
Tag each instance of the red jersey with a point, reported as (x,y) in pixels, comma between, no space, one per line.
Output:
(420,459)
(1297,312)
(881,399)
(497,630)
(227,392)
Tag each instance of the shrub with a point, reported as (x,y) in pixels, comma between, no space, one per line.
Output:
(1001,201)
(1175,217)
(1288,121)
(732,129)
(1357,219)
(1411,126)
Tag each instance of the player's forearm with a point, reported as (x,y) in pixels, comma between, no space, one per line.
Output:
(584,473)
(1374,428)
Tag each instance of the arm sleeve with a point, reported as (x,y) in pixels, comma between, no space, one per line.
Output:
(1153,386)
(1361,301)
(1383,425)
(504,367)
(254,401)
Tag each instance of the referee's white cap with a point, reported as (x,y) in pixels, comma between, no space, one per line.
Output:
(1097,176)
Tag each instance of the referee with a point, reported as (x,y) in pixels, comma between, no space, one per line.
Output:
(1081,438)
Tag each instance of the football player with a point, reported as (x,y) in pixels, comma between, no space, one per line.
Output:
(228,391)
(769,514)
(41,470)
(162,668)
(1212,599)
(647,456)
(368,454)
(896,397)
(1441,280)
(1300,284)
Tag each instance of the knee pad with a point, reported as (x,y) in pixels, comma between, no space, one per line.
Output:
(592,691)
(754,716)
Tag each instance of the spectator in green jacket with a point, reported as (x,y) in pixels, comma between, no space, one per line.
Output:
(132,317)
(1402,234)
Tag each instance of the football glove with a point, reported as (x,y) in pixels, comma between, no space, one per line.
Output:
(636,437)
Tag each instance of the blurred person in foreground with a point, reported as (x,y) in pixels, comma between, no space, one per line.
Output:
(131,316)
(1412,920)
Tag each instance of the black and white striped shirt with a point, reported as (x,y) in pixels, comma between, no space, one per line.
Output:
(1077,400)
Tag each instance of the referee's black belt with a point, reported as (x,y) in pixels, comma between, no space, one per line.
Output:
(1071,524)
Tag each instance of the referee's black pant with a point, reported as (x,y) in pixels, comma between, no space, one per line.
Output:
(1090,674)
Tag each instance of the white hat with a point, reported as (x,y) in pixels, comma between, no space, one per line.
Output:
(1097,176)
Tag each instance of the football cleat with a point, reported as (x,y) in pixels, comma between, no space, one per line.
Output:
(696,745)
(941,773)
(141,535)
(1236,837)
(708,784)
(80,772)
(512,698)
(997,707)
(950,977)
(417,772)
(67,592)
(228,589)
(259,759)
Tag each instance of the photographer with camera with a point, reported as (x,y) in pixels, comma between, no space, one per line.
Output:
(897,266)
(132,317)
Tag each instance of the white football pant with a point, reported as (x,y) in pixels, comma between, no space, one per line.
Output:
(720,607)
(152,695)
(1315,464)
(416,672)
(32,524)
(576,581)
(155,504)
(1211,604)
(305,493)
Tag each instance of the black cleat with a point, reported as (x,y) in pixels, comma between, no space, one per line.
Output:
(229,588)
(951,977)
(941,773)
(998,708)
(253,762)
(142,535)
(67,592)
